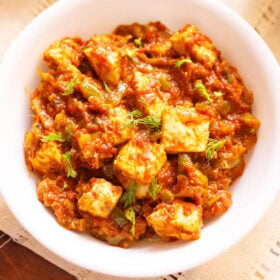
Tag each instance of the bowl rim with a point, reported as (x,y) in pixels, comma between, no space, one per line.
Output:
(169,269)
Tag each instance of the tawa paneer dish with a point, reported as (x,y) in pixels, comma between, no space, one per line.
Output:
(139,133)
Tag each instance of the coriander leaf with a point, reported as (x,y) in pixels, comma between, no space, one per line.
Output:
(135,113)
(131,118)
(71,86)
(119,217)
(107,88)
(130,215)
(65,185)
(138,42)
(179,63)
(128,196)
(154,189)
(67,159)
(218,93)
(212,146)
(199,86)
(151,122)
(54,136)
(131,52)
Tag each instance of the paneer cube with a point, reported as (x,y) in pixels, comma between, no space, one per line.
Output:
(147,95)
(141,190)
(95,147)
(99,197)
(190,41)
(64,52)
(118,119)
(191,182)
(47,159)
(161,48)
(151,104)
(140,161)
(89,143)
(104,60)
(184,130)
(179,220)
(141,82)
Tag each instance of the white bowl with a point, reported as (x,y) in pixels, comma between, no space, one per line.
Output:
(252,193)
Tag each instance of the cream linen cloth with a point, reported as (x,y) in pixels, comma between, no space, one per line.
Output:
(257,256)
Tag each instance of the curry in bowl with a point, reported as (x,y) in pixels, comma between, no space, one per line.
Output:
(139,133)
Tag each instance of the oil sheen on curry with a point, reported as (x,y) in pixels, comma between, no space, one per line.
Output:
(138,133)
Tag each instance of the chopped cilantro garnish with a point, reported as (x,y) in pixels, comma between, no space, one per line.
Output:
(119,217)
(131,52)
(154,189)
(71,86)
(199,86)
(65,185)
(138,42)
(107,88)
(54,136)
(131,118)
(218,93)
(151,122)
(130,215)
(179,63)
(135,114)
(212,146)
(67,159)
(128,196)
